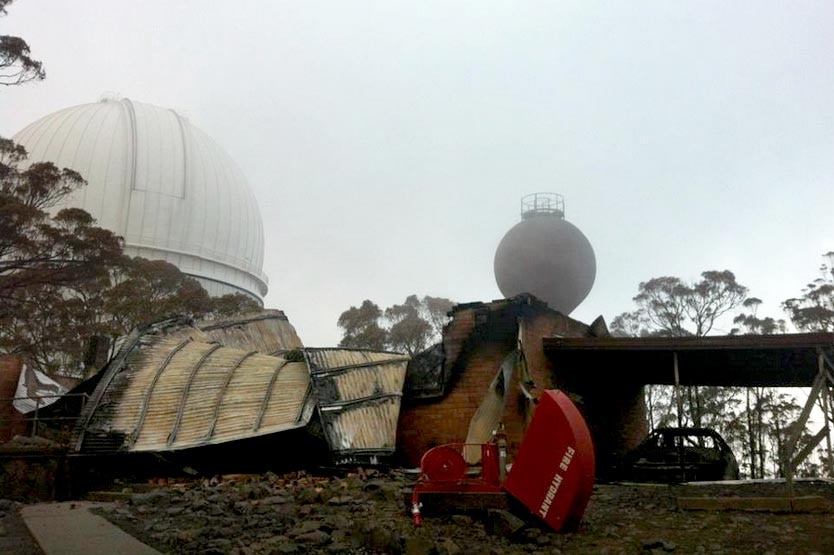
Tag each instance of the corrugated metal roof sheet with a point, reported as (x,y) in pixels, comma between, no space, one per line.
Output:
(173,387)
(166,392)
(358,395)
(267,332)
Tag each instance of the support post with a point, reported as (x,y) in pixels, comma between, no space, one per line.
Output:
(826,412)
(680,413)
(35,421)
(678,397)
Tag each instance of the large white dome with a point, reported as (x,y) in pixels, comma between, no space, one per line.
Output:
(163,185)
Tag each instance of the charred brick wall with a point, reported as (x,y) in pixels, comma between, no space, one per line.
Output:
(475,343)
(616,415)
(12,423)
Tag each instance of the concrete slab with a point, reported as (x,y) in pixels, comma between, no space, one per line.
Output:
(69,528)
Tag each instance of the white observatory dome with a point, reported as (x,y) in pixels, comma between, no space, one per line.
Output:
(163,185)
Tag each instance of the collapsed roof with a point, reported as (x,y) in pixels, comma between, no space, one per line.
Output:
(176,385)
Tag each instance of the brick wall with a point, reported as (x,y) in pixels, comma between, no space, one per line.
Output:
(12,423)
(615,412)
(616,415)
(475,343)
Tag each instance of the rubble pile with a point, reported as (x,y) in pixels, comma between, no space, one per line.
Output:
(362,512)
(365,512)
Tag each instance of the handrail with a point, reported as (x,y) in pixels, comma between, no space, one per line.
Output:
(34,416)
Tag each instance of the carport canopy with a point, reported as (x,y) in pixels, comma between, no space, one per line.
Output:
(787,360)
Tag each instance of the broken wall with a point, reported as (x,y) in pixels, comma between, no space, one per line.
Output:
(615,412)
(475,343)
(12,422)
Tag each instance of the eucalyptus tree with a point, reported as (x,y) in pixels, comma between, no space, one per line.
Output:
(16,63)
(409,327)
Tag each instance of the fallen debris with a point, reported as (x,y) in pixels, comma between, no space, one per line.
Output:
(174,386)
(292,513)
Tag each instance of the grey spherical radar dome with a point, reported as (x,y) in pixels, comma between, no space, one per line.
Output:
(546,256)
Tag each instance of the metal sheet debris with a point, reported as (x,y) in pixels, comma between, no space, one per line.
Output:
(358,395)
(35,390)
(174,386)
(169,394)
(268,332)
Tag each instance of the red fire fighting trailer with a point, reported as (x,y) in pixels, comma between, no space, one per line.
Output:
(553,474)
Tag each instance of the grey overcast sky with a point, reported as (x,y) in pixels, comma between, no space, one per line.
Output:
(389,143)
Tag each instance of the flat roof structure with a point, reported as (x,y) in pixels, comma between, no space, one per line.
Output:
(786,360)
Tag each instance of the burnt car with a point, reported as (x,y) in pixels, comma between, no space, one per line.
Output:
(680,455)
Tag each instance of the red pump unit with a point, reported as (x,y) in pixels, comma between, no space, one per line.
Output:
(553,474)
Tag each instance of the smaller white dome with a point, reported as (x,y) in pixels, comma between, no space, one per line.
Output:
(163,185)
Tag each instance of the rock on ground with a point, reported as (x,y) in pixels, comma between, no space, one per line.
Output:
(365,512)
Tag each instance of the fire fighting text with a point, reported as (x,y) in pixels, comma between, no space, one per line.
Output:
(566,458)
(556,482)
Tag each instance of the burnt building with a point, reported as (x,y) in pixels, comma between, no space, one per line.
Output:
(463,387)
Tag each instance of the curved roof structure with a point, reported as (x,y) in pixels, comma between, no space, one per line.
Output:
(163,185)
(174,385)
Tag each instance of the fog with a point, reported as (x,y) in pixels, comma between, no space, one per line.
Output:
(389,143)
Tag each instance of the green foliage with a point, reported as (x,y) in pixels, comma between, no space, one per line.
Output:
(143,291)
(751,324)
(671,307)
(814,310)
(16,63)
(409,331)
(361,327)
(409,327)
(230,304)
(37,250)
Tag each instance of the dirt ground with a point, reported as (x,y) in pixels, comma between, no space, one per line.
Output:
(15,538)
(364,513)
